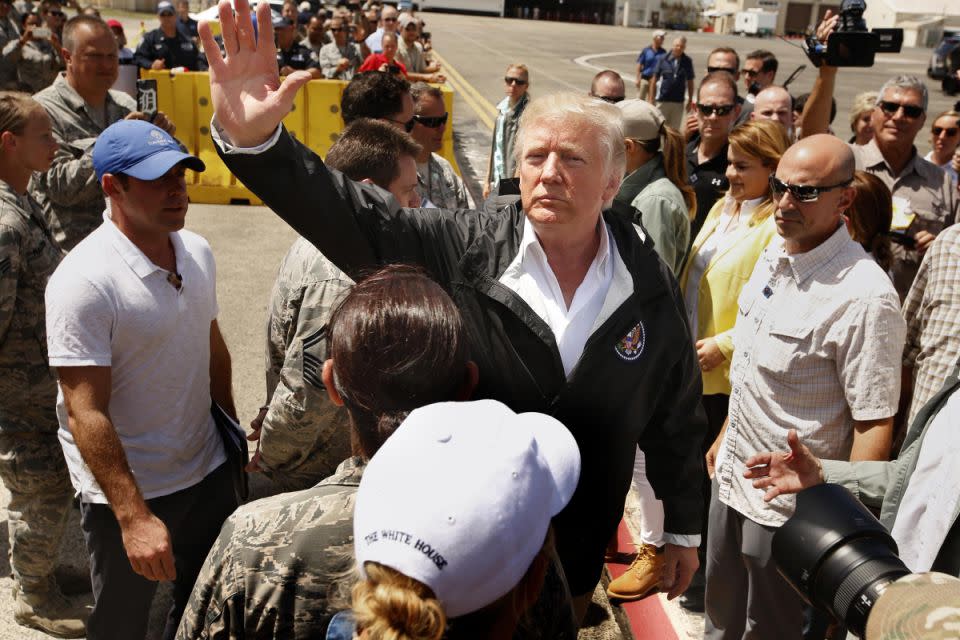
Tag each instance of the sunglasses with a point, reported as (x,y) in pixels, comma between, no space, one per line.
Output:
(801,192)
(732,72)
(610,99)
(408,125)
(336,29)
(751,73)
(432,122)
(518,81)
(911,111)
(950,131)
(389,19)
(707,110)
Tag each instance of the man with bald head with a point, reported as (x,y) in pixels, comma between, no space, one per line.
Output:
(817,348)
(774,103)
(389,21)
(608,86)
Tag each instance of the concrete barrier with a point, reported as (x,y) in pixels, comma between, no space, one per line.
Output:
(315,120)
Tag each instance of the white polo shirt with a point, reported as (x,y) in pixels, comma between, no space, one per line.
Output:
(108,305)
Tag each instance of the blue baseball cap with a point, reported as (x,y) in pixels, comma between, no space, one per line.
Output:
(139,149)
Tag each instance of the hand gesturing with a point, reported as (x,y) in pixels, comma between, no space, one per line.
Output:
(248,99)
(784,472)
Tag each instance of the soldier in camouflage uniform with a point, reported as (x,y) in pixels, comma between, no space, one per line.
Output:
(439,184)
(31,460)
(81,105)
(304,435)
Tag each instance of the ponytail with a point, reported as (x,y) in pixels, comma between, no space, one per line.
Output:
(675,167)
(390,606)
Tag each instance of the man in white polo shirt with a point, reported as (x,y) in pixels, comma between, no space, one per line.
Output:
(132,332)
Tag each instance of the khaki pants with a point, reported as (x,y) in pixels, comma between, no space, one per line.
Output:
(643,89)
(673,113)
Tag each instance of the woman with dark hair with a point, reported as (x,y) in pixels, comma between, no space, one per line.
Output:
(869,217)
(281,566)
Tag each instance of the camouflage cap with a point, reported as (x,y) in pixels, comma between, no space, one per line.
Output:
(923,605)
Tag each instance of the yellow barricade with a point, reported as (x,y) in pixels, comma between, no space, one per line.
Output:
(314,120)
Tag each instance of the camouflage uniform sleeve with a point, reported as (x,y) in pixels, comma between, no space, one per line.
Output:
(9,273)
(304,433)
(215,610)
(70,180)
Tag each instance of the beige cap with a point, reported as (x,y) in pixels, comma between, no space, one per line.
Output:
(641,120)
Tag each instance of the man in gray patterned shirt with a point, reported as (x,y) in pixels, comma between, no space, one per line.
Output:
(440,186)
(340,59)
(81,105)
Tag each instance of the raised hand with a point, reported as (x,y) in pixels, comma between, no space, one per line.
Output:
(784,471)
(248,99)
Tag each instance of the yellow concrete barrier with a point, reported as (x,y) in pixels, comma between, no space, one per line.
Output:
(315,120)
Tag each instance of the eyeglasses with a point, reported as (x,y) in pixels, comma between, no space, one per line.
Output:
(752,73)
(732,72)
(889,108)
(432,122)
(336,29)
(801,192)
(950,131)
(408,125)
(517,81)
(610,99)
(707,110)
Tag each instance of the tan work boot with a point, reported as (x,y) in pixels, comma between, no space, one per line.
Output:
(50,612)
(641,579)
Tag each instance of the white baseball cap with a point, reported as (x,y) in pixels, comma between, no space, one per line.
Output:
(461,496)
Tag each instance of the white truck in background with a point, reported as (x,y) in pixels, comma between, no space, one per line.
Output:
(755,22)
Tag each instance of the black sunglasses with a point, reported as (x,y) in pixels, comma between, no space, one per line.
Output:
(336,29)
(732,72)
(610,99)
(911,111)
(707,110)
(59,14)
(750,73)
(407,126)
(802,192)
(432,122)
(519,81)
(950,131)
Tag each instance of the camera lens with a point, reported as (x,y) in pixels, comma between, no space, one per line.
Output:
(837,555)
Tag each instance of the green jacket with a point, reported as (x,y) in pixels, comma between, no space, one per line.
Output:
(663,212)
(881,484)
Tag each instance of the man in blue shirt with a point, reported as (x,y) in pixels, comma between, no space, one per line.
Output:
(647,63)
(672,78)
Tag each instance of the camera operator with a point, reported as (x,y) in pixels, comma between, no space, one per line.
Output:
(918,494)
(924,198)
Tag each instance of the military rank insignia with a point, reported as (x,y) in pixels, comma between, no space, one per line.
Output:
(631,345)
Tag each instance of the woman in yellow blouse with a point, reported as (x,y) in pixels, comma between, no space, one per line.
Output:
(737,229)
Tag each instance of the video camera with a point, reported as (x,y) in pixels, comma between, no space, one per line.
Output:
(841,560)
(851,45)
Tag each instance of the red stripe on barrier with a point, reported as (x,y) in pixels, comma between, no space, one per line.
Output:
(648,620)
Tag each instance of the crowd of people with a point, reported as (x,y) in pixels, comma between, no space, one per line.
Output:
(700,294)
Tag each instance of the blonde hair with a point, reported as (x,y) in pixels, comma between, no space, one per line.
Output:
(864,102)
(949,113)
(15,110)
(605,118)
(391,606)
(766,141)
(521,67)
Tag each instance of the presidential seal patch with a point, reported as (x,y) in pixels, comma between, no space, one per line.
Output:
(631,345)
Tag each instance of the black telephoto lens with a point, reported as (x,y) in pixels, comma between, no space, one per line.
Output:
(837,555)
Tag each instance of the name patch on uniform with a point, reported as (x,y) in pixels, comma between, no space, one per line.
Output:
(631,345)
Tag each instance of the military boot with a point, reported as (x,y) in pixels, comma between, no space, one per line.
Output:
(51,612)
(641,579)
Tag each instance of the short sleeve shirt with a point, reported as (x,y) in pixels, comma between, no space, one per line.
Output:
(817,344)
(709,182)
(648,60)
(672,76)
(108,305)
(924,199)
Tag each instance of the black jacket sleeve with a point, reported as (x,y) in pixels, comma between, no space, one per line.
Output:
(674,437)
(356,226)
(144,55)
